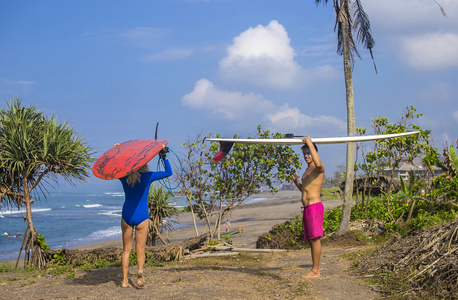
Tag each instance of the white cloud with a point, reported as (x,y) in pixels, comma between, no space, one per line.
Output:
(407,15)
(226,104)
(237,106)
(437,93)
(169,55)
(455,115)
(431,51)
(286,118)
(264,57)
(20,82)
(142,37)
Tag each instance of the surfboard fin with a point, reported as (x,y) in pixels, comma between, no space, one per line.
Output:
(292,135)
(224,149)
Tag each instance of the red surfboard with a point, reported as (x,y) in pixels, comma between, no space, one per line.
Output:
(127,157)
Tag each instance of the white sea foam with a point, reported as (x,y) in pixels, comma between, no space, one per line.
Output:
(115,194)
(114,213)
(22,211)
(106,233)
(92,205)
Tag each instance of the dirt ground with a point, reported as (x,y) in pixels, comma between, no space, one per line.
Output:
(240,276)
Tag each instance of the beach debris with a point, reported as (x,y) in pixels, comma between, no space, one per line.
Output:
(429,256)
(370,227)
(224,249)
(163,253)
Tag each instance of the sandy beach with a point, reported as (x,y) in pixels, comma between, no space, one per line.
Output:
(256,218)
(253,276)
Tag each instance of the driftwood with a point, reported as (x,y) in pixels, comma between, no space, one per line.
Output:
(162,253)
(227,250)
(429,255)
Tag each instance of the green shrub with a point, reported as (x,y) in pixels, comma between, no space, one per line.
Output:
(5,267)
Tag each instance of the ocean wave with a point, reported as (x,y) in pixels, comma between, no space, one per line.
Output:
(92,205)
(22,211)
(115,194)
(114,213)
(111,232)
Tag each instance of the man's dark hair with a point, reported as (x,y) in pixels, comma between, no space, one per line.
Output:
(307,147)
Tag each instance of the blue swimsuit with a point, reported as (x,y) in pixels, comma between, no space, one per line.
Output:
(135,208)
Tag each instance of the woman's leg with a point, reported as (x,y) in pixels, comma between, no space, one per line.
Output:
(127,233)
(141,233)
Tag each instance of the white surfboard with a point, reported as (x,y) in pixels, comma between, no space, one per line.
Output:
(226,144)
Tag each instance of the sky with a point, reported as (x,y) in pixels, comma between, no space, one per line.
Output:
(113,69)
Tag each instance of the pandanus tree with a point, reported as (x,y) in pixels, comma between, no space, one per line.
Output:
(162,215)
(35,151)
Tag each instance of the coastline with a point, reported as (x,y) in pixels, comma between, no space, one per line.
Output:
(256,218)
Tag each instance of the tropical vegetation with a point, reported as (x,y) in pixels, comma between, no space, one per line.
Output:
(214,189)
(350,19)
(35,151)
(352,26)
(161,215)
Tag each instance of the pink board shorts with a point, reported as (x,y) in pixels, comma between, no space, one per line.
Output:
(312,221)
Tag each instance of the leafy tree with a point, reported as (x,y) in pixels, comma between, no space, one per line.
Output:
(213,189)
(34,149)
(369,168)
(391,152)
(161,214)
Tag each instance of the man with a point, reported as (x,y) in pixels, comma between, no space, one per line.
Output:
(310,187)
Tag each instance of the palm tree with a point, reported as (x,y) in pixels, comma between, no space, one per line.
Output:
(350,18)
(34,149)
(161,214)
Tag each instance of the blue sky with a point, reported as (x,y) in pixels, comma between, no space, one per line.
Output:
(115,68)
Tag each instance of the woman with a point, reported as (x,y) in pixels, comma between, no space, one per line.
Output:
(135,214)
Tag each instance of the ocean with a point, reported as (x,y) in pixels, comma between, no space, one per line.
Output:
(67,219)
(71,218)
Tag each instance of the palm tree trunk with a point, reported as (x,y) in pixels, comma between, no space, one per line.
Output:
(22,245)
(350,160)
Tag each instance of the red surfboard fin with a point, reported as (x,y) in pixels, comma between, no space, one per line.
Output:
(224,149)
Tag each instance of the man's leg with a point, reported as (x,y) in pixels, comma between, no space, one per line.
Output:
(141,233)
(127,233)
(315,248)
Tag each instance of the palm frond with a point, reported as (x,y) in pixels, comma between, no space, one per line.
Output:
(363,28)
(33,146)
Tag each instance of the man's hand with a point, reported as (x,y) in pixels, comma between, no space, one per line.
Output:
(307,140)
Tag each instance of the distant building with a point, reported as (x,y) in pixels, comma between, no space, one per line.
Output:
(288,186)
(416,166)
